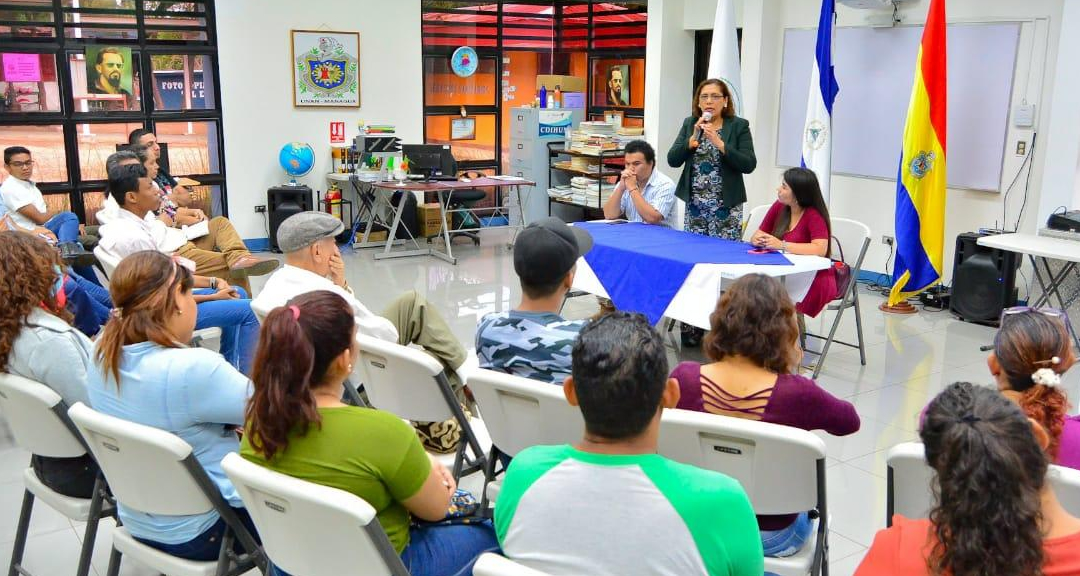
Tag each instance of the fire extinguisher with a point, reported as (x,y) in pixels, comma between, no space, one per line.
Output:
(333,202)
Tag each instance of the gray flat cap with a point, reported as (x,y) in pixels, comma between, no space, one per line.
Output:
(306,228)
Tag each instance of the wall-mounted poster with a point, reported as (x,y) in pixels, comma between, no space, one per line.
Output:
(326,68)
(463,128)
(618,85)
(108,70)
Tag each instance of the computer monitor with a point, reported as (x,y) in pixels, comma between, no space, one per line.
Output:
(430,160)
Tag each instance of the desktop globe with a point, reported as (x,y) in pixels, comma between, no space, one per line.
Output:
(296,159)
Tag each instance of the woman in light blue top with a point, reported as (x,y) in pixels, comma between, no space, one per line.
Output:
(144,374)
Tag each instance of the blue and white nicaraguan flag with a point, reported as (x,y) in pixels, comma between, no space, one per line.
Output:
(817,133)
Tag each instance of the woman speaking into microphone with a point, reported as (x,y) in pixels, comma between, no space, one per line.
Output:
(715,149)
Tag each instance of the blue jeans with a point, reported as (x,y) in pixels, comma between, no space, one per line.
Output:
(239,327)
(88,302)
(788,541)
(65,225)
(442,550)
(206,546)
(447,550)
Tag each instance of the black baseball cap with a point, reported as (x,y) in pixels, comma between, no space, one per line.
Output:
(547,249)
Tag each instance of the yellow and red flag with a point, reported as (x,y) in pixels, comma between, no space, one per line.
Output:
(920,182)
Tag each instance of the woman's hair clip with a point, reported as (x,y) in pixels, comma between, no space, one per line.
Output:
(1055,360)
(295,312)
(1046,376)
(116,313)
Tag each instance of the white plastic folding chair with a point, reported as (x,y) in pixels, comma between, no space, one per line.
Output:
(754,220)
(909,492)
(39,421)
(312,530)
(489,564)
(155,472)
(781,468)
(411,384)
(850,241)
(519,413)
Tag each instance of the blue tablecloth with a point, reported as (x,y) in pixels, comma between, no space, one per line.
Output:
(643,266)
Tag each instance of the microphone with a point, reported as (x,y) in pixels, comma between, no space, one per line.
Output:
(706,116)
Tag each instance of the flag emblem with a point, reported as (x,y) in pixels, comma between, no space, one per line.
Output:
(922,163)
(815,135)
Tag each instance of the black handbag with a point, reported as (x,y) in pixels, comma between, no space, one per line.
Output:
(842,272)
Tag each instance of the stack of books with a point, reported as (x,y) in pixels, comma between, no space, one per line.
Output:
(590,191)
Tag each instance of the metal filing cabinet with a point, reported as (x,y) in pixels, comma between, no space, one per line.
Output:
(529,154)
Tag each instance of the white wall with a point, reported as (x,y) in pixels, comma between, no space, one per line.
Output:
(870,200)
(259,116)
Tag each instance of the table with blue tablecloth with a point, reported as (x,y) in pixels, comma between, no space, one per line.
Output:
(662,272)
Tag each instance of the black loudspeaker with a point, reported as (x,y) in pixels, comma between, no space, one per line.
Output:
(984,280)
(282,202)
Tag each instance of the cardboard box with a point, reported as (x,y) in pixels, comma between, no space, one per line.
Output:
(428,217)
(565,83)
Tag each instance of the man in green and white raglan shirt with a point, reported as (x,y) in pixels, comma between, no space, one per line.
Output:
(610,505)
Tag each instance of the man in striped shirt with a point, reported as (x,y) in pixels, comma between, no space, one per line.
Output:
(643,194)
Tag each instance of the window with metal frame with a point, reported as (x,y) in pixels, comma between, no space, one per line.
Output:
(76,76)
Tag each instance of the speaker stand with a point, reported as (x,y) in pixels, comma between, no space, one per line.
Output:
(901,308)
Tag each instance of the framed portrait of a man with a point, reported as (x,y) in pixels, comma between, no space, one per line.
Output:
(109,70)
(618,85)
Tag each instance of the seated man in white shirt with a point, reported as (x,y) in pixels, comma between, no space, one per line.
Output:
(219,253)
(26,208)
(219,304)
(313,262)
(643,194)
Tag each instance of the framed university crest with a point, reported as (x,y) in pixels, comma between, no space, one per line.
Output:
(326,68)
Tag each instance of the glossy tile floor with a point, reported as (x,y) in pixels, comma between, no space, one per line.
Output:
(908,360)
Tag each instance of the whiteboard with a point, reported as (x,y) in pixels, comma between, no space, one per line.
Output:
(875,68)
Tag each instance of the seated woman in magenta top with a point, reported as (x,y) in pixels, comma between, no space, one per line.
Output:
(798,222)
(1032,349)
(754,348)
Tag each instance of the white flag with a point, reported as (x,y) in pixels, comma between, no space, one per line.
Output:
(817,132)
(724,56)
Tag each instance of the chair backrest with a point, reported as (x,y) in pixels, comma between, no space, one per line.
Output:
(402,380)
(38,418)
(909,483)
(519,412)
(854,238)
(311,529)
(781,468)
(147,468)
(753,221)
(108,262)
(489,564)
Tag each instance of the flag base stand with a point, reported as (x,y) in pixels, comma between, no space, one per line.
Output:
(901,308)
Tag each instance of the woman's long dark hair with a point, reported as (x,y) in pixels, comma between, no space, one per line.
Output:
(1028,342)
(297,344)
(807,192)
(990,471)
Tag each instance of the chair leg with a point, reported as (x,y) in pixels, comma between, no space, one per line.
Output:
(21,533)
(858,326)
(91,527)
(832,334)
(114,563)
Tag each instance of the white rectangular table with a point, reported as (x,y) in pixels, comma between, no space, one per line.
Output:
(1040,250)
(696,298)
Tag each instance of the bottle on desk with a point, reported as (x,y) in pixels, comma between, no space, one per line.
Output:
(543,96)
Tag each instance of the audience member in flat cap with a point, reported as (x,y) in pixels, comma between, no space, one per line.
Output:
(313,262)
